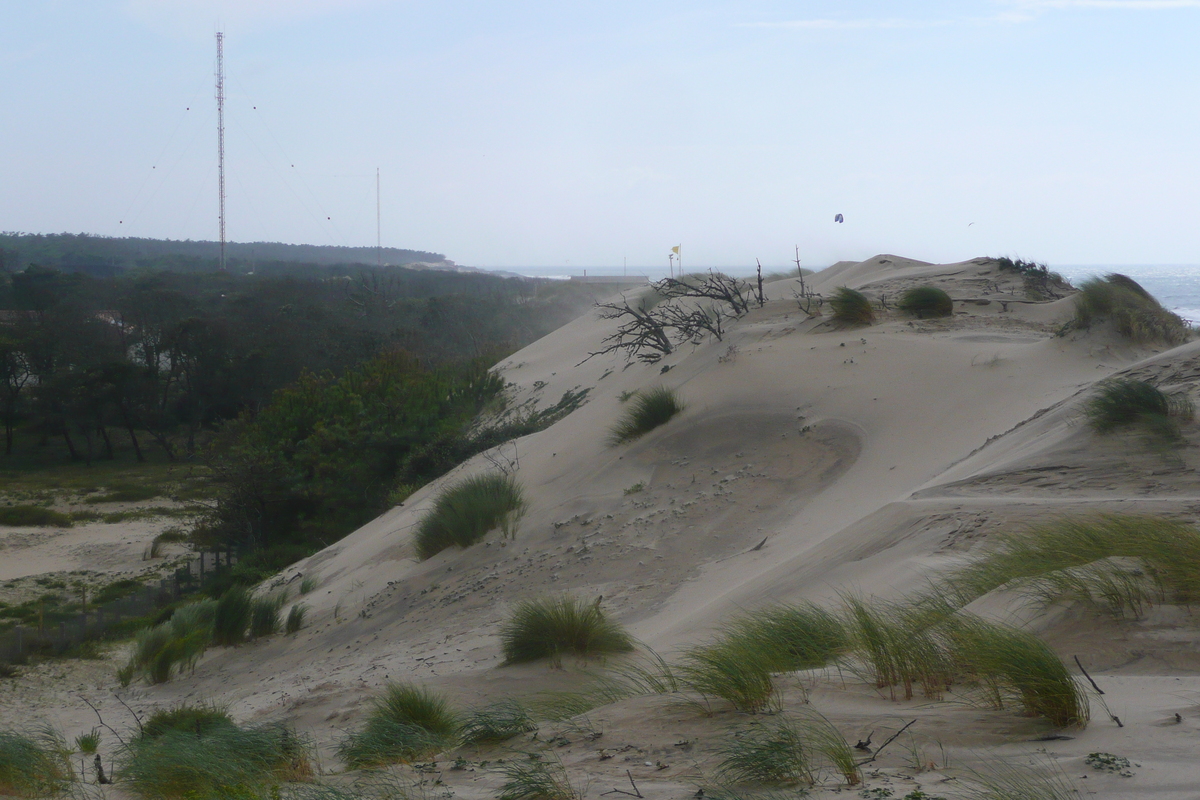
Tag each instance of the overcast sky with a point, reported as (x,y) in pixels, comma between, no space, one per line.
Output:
(570,134)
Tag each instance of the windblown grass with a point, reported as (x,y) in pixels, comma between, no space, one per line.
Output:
(406,724)
(27,516)
(1089,559)
(792,637)
(731,669)
(1125,402)
(1133,312)
(537,778)
(295,618)
(851,307)
(772,751)
(264,616)
(178,642)
(497,722)
(198,720)
(88,742)
(1001,780)
(551,627)
(926,302)
(222,761)
(464,513)
(650,409)
(33,765)
(896,646)
(232,617)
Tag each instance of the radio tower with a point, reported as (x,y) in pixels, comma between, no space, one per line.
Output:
(221,137)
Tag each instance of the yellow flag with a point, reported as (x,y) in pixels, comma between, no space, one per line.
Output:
(675,249)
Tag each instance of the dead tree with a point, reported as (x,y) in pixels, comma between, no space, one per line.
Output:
(721,288)
(809,301)
(690,323)
(642,333)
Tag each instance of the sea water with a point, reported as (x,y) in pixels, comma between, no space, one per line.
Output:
(1176,286)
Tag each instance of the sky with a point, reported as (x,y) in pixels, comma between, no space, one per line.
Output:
(563,135)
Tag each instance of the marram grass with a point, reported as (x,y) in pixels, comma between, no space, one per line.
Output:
(851,307)
(733,670)
(264,616)
(551,627)
(232,617)
(792,637)
(770,751)
(537,777)
(649,410)
(36,765)
(407,723)
(1132,311)
(496,722)
(464,513)
(925,302)
(1125,403)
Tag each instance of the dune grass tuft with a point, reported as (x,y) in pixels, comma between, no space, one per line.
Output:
(772,752)
(537,778)
(464,513)
(733,670)
(497,722)
(851,307)
(178,642)
(926,302)
(650,409)
(198,719)
(1135,314)
(1001,780)
(34,765)
(87,743)
(406,724)
(264,616)
(295,618)
(232,617)
(27,516)
(551,627)
(793,637)
(896,646)
(1125,403)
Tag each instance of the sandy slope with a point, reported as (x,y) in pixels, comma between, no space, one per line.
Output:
(865,458)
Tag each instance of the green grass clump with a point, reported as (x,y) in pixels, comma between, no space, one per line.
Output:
(1010,665)
(925,302)
(88,742)
(793,637)
(125,493)
(218,762)
(1133,312)
(406,724)
(178,642)
(464,513)
(896,645)
(198,720)
(537,778)
(26,516)
(851,307)
(497,722)
(1000,780)
(264,616)
(730,669)
(308,584)
(35,765)
(232,617)
(295,618)
(1125,402)
(550,627)
(649,410)
(768,752)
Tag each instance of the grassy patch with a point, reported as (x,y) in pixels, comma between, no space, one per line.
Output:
(851,307)
(895,646)
(650,409)
(553,626)
(27,516)
(33,766)
(264,616)
(232,617)
(464,513)
(1125,403)
(926,302)
(1133,312)
(497,722)
(178,642)
(732,669)
(295,618)
(88,742)
(1000,780)
(768,752)
(537,778)
(125,493)
(792,637)
(406,724)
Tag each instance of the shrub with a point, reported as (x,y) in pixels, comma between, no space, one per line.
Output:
(496,723)
(1133,312)
(770,752)
(232,617)
(537,778)
(926,302)
(650,409)
(464,513)
(1125,402)
(549,627)
(793,637)
(733,670)
(851,307)
(264,616)
(295,618)
(26,516)
(222,761)
(33,766)
(407,723)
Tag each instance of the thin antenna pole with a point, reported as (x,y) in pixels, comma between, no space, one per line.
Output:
(221,137)
(378,237)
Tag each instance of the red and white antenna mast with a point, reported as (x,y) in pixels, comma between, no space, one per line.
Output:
(221,137)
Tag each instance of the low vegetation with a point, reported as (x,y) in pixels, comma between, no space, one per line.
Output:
(1132,310)
(771,752)
(1127,403)
(465,512)
(295,618)
(851,307)
(733,670)
(176,643)
(792,637)
(894,646)
(232,617)
(537,778)
(264,616)
(497,722)
(551,627)
(649,410)
(925,302)
(27,516)
(34,765)
(406,724)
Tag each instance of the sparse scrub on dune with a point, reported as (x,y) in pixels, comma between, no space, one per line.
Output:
(407,723)
(497,722)
(1126,402)
(926,302)
(232,617)
(537,778)
(1132,310)
(551,627)
(1081,559)
(464,513)
(34,765)
(221,760)
(731,669)
(650,409)
(792,637)
(851,307)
